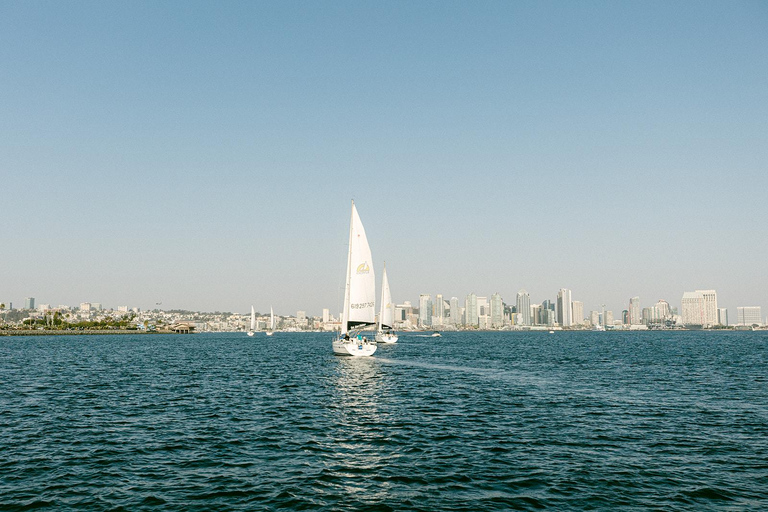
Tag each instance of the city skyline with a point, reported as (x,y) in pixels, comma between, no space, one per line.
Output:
(204,158)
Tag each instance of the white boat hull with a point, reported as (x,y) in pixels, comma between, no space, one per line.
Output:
(269,333)
(251,333)
(383,337)
(353,347)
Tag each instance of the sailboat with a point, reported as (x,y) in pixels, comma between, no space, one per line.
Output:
(271,330)
(386,314)
(252,330)
(359,295)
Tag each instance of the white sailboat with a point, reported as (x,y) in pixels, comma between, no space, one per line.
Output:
(359,295)
(252,330)
(271,330)
(387,313)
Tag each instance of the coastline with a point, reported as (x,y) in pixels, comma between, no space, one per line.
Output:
(35,332)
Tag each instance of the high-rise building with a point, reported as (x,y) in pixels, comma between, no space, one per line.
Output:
(85,306)
(483,313)
(749,315)
(29,303)
(710,307)
(578,312)
(564,308)
(470,311)
(635,313)
(425,311)
(497,311)
(455,311)
(326,315)
(692,306)
(608,320)
(722,316)
(594,317)
(439,307)
(524,307)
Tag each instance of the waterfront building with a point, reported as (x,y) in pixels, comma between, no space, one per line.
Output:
(497,311)
(523,305)
(483,313)
(634,311)
(722,316)
(594,318)
(425,311)
(749,315)
(608,320)
(326,315)
(536,314)
(439,309)
(470,311)
(454,311)
(578,312)
(564,308)
(29,303)
(692,306)
(710,307)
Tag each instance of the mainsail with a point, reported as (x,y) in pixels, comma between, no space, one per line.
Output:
(360,291)
(387,314)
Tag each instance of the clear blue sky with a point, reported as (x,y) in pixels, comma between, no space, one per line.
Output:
(204,154)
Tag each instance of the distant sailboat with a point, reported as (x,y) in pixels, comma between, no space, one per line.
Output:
(271,330)
(359,295)
(252,330)
(387,313)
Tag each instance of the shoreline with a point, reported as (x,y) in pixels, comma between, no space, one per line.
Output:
(35,332)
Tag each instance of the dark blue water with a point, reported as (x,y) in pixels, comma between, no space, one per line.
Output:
(470,421)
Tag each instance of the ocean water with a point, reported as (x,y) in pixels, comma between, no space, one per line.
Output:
(469,421)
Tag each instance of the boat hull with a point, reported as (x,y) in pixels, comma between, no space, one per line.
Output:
(383,337)
(250,333)
(353,347)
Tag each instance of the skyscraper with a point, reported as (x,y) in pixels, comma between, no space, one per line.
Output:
(578,312)
(29,303)
(692,306)
(524,307)
(425,310)
(564,308)
(710,307)
(497,311)
(635,313)
(455,311)
(439,307)
(470,310)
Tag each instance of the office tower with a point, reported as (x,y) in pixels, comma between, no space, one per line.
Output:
(425,311)
(594,317)
(483,313)
(524,307)
(693,308)
(578,312)
(635,314)
(749,315)
(29,303)
(439,307)
(710,307)
(326,315)
(497,311)
(648,316)
(455,313)
(722,316)
(663,311)
(536,314)
(608,320)
(470,310)
(564,308)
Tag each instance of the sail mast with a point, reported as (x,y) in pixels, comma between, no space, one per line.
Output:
(345,311)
